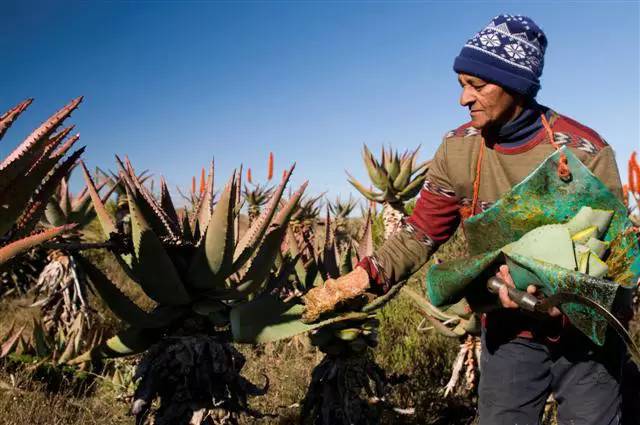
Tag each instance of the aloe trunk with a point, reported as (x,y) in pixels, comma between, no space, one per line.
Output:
(348,386)
(66,315)
(213,370)
(393,215)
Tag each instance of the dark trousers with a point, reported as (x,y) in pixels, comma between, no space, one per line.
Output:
(517,375)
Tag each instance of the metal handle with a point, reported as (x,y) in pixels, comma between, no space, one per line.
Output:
(524,300)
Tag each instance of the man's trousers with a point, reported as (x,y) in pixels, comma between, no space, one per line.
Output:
(517,375)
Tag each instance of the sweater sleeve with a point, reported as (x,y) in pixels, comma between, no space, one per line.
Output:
(433,221)
(604,166)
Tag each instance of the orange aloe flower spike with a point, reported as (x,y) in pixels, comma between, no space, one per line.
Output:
(270,167)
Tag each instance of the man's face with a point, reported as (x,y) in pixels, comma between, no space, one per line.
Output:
(489,104)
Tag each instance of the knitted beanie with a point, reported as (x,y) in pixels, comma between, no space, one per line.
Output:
(508,52)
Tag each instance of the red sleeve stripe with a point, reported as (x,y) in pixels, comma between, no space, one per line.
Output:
(436,216)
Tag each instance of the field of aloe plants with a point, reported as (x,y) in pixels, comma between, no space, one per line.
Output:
(122,304)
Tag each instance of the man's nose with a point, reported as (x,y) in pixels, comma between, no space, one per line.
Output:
(467,97)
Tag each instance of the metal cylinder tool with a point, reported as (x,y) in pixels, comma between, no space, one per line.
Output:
(524,300)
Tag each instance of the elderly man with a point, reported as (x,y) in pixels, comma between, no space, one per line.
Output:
(524,359)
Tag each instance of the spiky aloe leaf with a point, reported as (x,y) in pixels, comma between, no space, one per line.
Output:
(186,227)
(376,173)
(369,194)
(65,201)
(346,261)
(406,168)
(19,161)
(267,318)
(151,264)
(9,117)
(61,151)
(81,204)
(20,246)
(54,214)
(212,262)
(16,197)
(166,203)
(35,208)
(119,303)
(108,227)
(238,206)
(365,244)
(11,341)
(412,188)
(146,202)
(146,210)
(83,216)
(249,242)
(203,212)
(128,342)
(294,250)
(393,168)
(329,264)
(257,272)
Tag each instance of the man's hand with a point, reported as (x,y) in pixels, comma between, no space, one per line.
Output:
(504,274)
(325,298)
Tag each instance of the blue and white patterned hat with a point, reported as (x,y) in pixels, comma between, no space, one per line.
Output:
(508,52)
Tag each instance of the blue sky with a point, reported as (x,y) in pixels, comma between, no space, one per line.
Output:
(173,84)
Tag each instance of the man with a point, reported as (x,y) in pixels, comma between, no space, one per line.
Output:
(524,359)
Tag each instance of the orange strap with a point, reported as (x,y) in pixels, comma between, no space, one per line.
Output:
(563,166)
(476,182)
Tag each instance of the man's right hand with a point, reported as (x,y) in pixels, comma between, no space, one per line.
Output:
(323,299)
(503,273)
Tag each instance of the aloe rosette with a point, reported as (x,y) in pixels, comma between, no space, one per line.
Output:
(398,178)
(29,176)
(195,272)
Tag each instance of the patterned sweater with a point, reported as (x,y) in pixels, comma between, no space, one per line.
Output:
(449,187)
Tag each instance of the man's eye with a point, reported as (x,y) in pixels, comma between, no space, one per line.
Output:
(479,87)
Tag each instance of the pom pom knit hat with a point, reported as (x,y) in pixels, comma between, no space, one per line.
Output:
(508,52)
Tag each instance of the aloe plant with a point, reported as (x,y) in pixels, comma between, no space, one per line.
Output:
(347,380)
(341,211)
(398,179)
(28,178)
(195,272)
(304,223)
(256,196)
(61,289)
